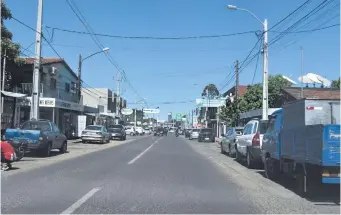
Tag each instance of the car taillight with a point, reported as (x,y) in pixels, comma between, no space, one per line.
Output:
(256,140)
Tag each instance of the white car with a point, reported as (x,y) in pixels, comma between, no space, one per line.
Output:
(130,130)
(140,131)
(148,130)
(194,134)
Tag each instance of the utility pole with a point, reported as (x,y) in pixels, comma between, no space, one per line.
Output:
(135,114)
(206,112)
(36,72)
(265,72)
(0,74)
(118,105)
(80,78)
(2,78)
(302,71)
(237,91)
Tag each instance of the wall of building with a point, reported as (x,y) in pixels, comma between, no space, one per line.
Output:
(98,96)
(66,78)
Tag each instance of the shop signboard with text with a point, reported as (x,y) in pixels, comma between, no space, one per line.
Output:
(52,102)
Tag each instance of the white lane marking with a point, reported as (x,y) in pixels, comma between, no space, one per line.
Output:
(142,153)
(77,204)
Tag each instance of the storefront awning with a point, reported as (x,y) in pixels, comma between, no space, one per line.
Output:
(12,94)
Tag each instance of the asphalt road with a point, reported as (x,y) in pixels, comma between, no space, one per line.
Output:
(148,175)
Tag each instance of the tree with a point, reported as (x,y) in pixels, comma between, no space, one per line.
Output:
(253,97)
(335,84)
(12,49)
(212,91)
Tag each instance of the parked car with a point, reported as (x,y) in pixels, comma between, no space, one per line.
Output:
(140,131)
(148,130)
(187,132)
(250,142)
(206,134)
(41,136)
(117,131)
(130,130)
(194,134)
(228,144)
(95,133)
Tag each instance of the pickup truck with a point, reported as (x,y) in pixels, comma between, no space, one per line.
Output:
(303,141)
(40,135)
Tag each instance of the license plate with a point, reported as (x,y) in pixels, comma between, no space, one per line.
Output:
(207,138)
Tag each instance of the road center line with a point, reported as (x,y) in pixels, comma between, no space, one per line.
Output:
(142,153)
(77,204)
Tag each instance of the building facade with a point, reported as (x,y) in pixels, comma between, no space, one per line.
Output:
(58,93)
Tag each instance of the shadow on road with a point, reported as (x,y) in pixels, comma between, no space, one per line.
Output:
(322,195)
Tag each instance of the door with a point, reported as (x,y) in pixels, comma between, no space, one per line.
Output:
(269,143)
(59,137)
(242,141)
(225,141)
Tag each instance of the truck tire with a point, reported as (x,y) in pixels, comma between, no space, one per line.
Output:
(221,149)
(271,168)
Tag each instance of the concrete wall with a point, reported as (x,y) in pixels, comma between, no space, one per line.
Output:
(98,96)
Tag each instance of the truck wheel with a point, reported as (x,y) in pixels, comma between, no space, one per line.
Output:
(63,149)
(271,169)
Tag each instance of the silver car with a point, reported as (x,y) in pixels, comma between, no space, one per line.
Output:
(95,133)
(194,134)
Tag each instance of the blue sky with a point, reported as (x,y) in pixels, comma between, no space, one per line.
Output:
(177,70)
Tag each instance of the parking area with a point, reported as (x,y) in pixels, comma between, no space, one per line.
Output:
(324,200)
(75,149)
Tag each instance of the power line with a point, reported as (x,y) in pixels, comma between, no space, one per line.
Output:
(254,74)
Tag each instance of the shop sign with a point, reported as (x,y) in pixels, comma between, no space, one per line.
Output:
(47,102)
(68,105)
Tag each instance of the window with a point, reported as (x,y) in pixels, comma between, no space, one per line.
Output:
(255,126)
(73,86)
(36,125)
(55,128)
(247,129)
(271,125)
(94,127)
(67,87)
(53,84)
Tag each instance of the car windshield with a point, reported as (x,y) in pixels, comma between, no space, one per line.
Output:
(36,125)
(93,127)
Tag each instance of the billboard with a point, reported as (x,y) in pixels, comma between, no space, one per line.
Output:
(150,110)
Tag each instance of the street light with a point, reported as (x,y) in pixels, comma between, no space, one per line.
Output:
(80,68)
(265,59)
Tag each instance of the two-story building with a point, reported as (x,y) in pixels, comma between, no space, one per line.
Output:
(58,92)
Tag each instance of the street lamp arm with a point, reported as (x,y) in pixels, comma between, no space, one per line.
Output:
(251,14)
(91,55)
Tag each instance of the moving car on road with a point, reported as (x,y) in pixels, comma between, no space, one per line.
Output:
(40,135)
(159,131)
(148,130)
(194,134)
(95,133)
(117,131)
(206,134)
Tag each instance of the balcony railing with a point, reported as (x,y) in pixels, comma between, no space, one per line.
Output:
(26,88)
